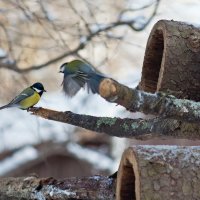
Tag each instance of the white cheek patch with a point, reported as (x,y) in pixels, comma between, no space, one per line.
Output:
(37,90)
(62,69)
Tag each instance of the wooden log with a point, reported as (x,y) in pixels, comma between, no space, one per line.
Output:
(158,173)
(33,188)
(145,173)
(172,60)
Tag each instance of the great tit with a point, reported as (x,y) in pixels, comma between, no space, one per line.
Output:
(27,98)
(77,75)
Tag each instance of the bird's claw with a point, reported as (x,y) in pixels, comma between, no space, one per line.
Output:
(33,109)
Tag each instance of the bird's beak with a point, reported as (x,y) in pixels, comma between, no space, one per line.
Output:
(44,90)
(60,72)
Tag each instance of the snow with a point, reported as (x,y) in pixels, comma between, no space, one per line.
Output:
(18,158)
(96,177)
(2,53)
(38,195)
(83,40)
(53,191)
(99,160)
(19,128)
(173,151)
(96,27)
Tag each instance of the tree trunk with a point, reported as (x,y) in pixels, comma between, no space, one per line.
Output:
(159,173)
(171,61)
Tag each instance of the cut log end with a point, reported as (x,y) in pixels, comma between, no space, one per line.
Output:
(171,61)
(152,62)
(128,177)
(108,89)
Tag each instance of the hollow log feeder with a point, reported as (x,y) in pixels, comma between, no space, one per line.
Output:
(172,60)
(158,173)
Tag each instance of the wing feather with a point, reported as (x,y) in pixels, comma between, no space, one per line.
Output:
(71,86)
(23,95)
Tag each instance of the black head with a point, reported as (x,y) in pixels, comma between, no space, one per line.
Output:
(38,87)
(62,67)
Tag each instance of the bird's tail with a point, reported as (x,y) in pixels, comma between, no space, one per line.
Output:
(6,106)
(94,81)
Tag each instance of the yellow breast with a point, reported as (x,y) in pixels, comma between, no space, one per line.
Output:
(30,101)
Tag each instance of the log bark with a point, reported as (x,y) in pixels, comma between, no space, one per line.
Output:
(145,172)
(128,128)
(32,188)
(158,173)
(171,61)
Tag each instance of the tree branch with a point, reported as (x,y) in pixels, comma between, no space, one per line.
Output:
(134,100)
(129,128)
(82,44)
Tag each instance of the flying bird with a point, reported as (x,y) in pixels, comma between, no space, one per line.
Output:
(77,75)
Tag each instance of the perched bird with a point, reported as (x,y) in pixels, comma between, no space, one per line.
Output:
(77,75)
(27,98)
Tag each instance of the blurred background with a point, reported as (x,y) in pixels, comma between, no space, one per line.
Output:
(36,37)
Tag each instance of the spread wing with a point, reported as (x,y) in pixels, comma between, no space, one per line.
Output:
(84,76)
(91,77)
(24,94)
(72,83)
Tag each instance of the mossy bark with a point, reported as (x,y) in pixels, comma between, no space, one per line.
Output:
(127,128)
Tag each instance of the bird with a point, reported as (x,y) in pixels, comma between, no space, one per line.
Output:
(27,98)
(79,74)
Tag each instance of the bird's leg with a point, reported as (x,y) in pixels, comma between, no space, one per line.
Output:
(36,108)
(32,108)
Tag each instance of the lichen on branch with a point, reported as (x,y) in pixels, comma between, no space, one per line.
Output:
(128,128)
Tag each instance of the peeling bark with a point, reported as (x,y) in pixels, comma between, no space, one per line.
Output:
(171,60)
(128,128)
(156,104)
(158,173)
(32,188)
